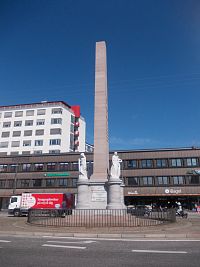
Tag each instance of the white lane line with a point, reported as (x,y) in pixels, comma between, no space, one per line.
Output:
(71,242)
(4,241)
(59,246)
(159,251)
(145,239)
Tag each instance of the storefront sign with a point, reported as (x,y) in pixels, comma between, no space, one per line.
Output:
(133,193)
(172,191)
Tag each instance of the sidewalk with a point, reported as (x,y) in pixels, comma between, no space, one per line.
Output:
(183,228)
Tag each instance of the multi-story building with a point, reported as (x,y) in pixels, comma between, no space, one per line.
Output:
(38,128)
(161,176)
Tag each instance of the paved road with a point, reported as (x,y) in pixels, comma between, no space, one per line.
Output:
(61,251)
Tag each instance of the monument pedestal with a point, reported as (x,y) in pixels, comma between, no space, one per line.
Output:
(98,194)
(114,194)
(83,194)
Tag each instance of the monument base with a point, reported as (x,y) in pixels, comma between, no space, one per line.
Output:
(98,195)
(82,196)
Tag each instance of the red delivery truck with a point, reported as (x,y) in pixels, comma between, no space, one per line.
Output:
(19,205)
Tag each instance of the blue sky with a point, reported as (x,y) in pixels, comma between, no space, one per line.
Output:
(47,52)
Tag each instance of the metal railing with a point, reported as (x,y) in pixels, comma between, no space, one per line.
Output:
(99,218)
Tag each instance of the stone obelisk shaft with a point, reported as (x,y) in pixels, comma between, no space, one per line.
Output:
(101,145)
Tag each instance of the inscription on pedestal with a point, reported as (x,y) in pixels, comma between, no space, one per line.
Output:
(98,194)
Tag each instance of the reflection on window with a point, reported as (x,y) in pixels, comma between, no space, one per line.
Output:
(194,179)
(51,166)
(132,164)
(38,166)
(176,162)
(50,182)
(177,180)
(147,180)
(62,182)
(147,163)
(163,180)
(133,181)
(191,161)
(37,182)
(161,163)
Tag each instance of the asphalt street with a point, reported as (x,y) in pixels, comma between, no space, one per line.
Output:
(54,251)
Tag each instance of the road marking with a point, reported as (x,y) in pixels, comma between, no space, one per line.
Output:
(145,239)
(159,251)
(72,242)
(57,246)
(4,241)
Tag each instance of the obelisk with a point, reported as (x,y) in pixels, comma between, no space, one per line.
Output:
(99,178)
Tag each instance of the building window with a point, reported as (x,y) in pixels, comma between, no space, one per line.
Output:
(6,124)
(3,144)
(13,168)
(26,167)
(55,131)
(5,134)
(178,180)
(18,113)
(163,180)
(38,166)
(56,111)
(28,133)
(15,143)
(51,166)
(72,128)
(55,151)
(56,121)
(26,152)
(161,163)
(14,153)
(191,161)
(39,132)
(147,180)
(50,182)
(53,142)
(37,182)
(38,142)
(74,166)
(3,168)
(147,163)
(41,111)
(72,119)
(10,184)
(74,182)
(133,181)
(7,114)
(29,112)
(17,123)
(37,152)
(23,183)
(27,143)
(29,123)
(64,166)
(71,141)
(16,133)
(132,164)
(2,183)
(63,182)
(194,179)
(40,122)
(176,162)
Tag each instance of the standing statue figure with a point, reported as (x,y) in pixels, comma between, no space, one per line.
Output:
(115,168)
(82,165)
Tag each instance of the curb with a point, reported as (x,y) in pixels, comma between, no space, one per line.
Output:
(103,236)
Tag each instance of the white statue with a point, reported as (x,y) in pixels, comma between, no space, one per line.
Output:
(115,168)
(82,165)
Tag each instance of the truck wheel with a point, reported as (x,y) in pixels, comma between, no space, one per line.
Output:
(16,213)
